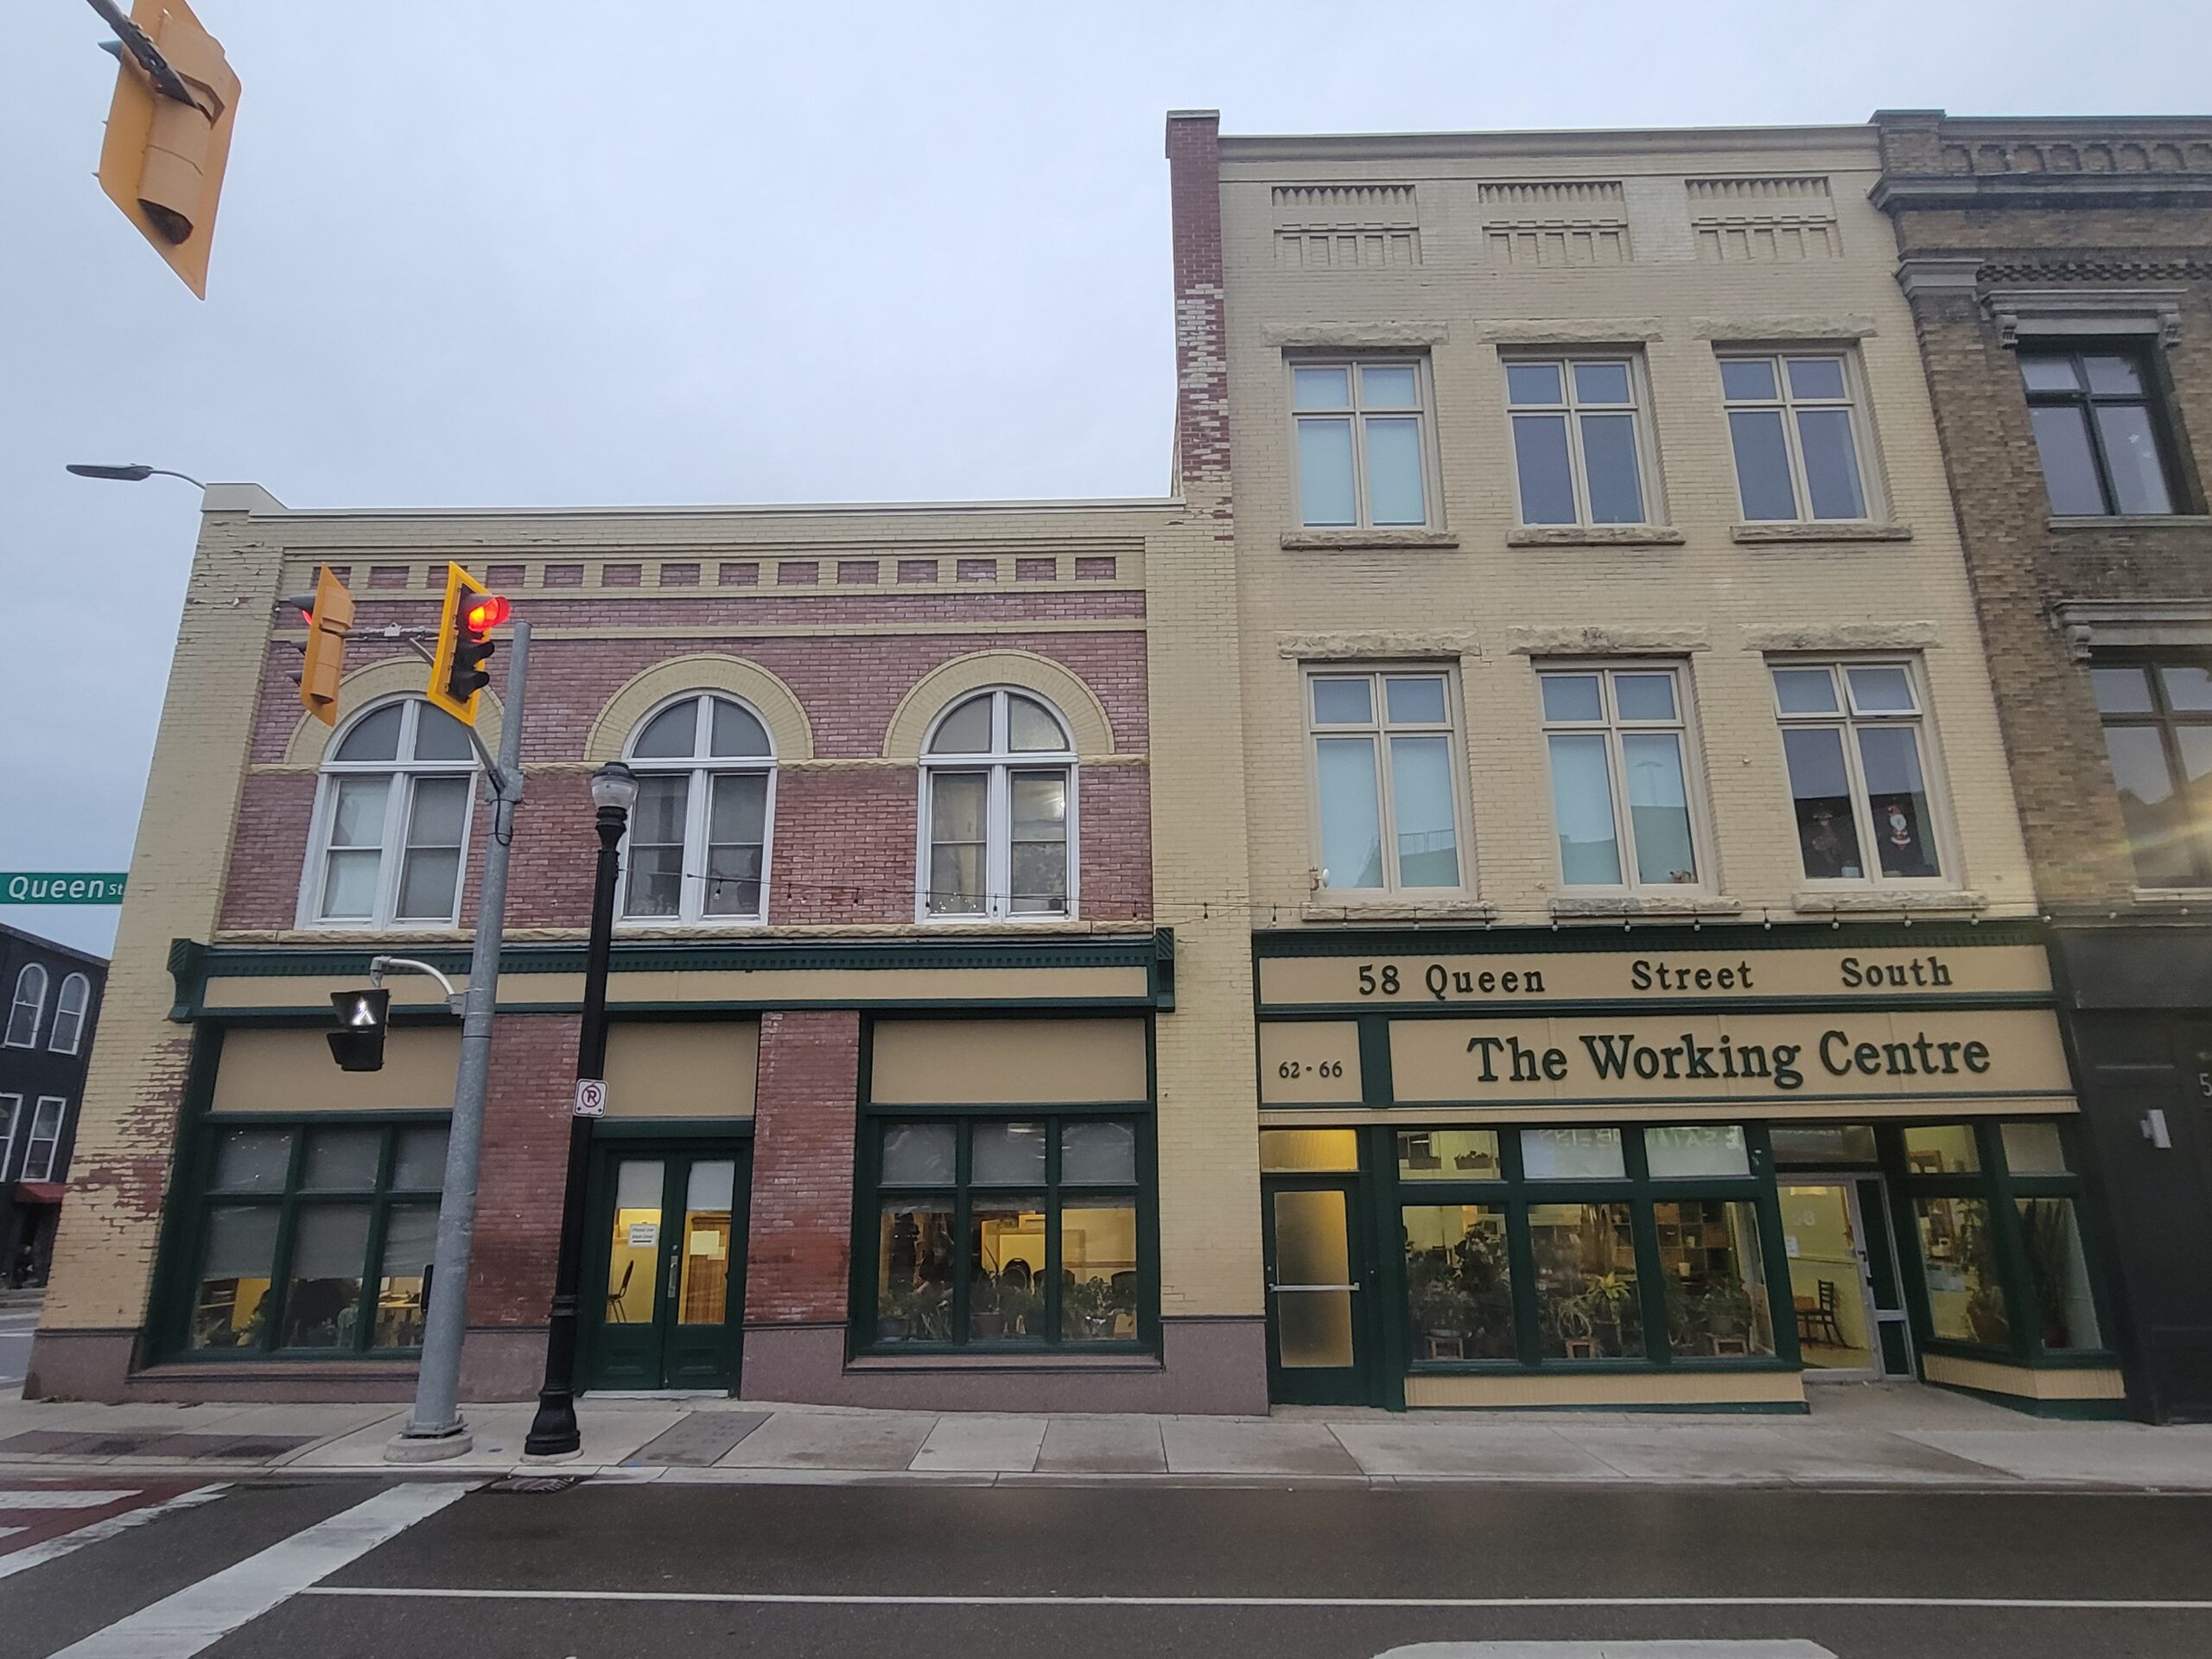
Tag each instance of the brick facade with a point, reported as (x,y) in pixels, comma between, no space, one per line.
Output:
(2089,212)
(800,1251)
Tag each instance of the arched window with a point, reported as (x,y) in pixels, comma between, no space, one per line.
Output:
(29,1004)
(391,820)
(69,1014)
(698,847)
(998,810)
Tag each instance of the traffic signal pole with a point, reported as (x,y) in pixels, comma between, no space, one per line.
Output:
(435,1430)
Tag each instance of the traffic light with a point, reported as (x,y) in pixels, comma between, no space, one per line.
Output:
(358,1044)
(328,612)
(168,130)
(457,671)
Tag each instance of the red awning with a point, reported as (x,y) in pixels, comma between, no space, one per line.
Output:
(39,1192)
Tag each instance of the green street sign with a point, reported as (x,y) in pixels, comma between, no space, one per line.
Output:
(49,887)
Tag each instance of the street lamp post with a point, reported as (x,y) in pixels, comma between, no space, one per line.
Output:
(132,473)
(553,1431)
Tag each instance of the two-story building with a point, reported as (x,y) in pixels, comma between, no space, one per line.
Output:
(1650,1005)
(896,1112)
(2060,277)
(53,1008)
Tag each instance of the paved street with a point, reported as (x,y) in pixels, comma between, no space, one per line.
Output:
(609,1568)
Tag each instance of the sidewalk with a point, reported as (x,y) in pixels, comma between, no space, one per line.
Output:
(1857,1435)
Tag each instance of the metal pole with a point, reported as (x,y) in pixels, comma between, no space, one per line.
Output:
(553,1432)
(435,1430)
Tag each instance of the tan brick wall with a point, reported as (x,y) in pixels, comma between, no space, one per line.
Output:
(104,1253)
(1461,302)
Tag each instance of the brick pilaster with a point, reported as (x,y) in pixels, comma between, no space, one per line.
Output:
(800,1247)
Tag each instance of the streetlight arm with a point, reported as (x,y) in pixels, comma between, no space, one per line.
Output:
(379,966)
(135,472)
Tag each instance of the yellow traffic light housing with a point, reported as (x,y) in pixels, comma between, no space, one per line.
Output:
(168,132)
(458,675)
(330,614)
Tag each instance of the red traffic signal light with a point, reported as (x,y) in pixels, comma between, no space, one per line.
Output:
(457,671)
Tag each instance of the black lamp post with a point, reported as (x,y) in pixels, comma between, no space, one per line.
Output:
(553,1431)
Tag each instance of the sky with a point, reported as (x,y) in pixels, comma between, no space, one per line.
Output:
(479,253)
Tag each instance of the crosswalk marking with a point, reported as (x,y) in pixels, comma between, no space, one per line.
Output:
(21,1558)
(58,1498)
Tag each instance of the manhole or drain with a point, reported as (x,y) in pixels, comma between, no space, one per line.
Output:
(534,1484)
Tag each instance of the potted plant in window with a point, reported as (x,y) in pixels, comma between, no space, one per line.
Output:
(1986,1314)
(986,1309)
(2044,1231)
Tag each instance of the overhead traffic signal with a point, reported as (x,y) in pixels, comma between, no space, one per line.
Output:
(457,671)
(358,1044)
(168,130)
(329,612)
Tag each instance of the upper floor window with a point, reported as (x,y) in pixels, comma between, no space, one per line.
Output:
(69,1014)
(998,810)
(2157,721)
(1576,441)
(1363,444)
(391,826)
(30,1005)
(2098,433)
(1794,422)
(1620,781)
(1385,771)
(1850,738)
(44,1144)
(11,1108)
(698,847)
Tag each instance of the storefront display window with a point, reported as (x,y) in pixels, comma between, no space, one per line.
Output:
(1459,1281)
(316,1237)
(1717,1302)
(1584,1245)
(2058,1274)
(1005,1232)
(1966,1299)
(1998,1217)
(1586,1302)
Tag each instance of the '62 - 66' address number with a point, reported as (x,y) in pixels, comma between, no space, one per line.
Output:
(1302,1069)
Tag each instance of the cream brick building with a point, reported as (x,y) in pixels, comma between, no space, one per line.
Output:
(1610,456)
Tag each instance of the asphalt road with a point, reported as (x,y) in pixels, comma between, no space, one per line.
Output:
(601,1570)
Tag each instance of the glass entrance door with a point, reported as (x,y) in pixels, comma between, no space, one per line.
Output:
(1824,1236)
(665,1273)
(1317,1325)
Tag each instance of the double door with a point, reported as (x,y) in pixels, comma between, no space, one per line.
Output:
(665,1272)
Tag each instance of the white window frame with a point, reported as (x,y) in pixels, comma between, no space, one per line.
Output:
(12,1115)
(83,985)
(1857,402)
(1941,830)
(1423,413)
(1612,727)
(398,808)
(36,1004)
(61,1105)
(1381,729)
(999,765)
(701,768)
(1638,409)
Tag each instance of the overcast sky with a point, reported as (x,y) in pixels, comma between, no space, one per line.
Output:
(474,253)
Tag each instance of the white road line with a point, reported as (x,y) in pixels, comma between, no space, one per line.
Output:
(51,1497)
(1706,1650)
(51,1549)
(9,1532)
(202,1614)
(2057,1604)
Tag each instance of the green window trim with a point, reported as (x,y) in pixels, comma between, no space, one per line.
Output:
(1514,1193)
(959,1199)
(291,1201)
(2022,1262)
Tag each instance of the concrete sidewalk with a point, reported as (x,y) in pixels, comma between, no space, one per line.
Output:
(1856,1435)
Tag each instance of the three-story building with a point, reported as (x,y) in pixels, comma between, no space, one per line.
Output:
(1650,1008)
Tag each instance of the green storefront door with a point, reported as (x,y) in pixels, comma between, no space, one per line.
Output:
(1319,1340)
(664,1271)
